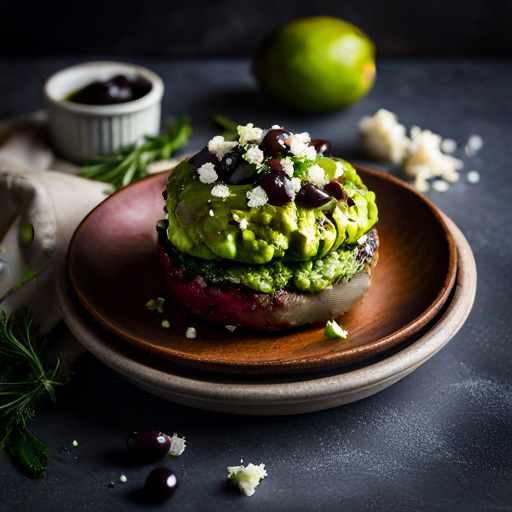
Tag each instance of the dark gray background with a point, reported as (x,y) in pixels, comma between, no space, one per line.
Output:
(197,28)
(440,440)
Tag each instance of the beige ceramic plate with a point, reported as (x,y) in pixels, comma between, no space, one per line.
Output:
(114,270)
(280,394)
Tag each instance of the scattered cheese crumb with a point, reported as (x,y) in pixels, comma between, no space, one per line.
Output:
(474,144)
(219,147)
(231,328)
(123,479)
(473,177)
(276,127)
(207,173)
(448,146)
(424,159)
(220,191)
(383,137)
(257,197)
(166,324)
(247,478)
(362,240)
(316,175)
(191,332)
(243,224)
(287,164)
(440,186)
(249,133)
(177,445)
(255,156)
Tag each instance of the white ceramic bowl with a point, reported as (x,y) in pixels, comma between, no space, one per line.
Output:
(79,132)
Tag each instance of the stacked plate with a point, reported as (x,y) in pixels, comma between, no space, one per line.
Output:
(421,293)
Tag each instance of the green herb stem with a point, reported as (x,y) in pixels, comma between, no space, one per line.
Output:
(130,163)
(23,382)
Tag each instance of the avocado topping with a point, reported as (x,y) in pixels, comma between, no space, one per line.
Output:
(272,211)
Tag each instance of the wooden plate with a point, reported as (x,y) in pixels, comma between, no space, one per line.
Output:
(271,394)
(114,270)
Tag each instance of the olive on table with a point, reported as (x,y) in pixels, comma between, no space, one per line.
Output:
(149,444)
(161,483)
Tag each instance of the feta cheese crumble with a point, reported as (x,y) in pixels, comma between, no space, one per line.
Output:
(249,133)
(383,137)
(207,173)
(219,147)
(440,186)
(297,147)
(309,153)
(424,159)
(316,175)
(304,137)
(191,333)
(340,170)
(178,445)
(448,146)
(473,177)
(221,191)
(255,156)
(243,224)
(257,197)
(247,478)
(474,144)
(296,184)
(288,168)
(231,328)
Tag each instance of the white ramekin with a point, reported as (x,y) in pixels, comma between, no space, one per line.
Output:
(79,132)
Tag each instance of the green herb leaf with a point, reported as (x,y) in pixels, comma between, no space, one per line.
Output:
(24,380)
(230,127)
(130,163)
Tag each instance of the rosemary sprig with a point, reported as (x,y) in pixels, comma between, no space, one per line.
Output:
(23,381)
(130,163)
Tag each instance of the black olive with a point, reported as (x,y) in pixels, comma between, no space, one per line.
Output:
(243,173)
(161,484)
(278,188)
(203,157)
(334,189)
(322,146)
(311,196)
(149,444)
(276,141)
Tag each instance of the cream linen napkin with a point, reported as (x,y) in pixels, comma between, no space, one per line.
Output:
(52,201)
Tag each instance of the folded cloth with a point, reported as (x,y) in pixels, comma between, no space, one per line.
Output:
(49,202)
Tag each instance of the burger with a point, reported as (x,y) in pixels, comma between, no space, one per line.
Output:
(268,231)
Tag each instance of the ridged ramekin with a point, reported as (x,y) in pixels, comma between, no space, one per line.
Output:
(79,132)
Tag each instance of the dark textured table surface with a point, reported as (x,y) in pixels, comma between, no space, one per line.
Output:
(438,440)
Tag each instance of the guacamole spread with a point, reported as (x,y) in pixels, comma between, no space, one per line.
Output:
(271,211)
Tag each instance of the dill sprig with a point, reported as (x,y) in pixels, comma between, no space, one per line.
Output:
(130,163)
(24,380)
